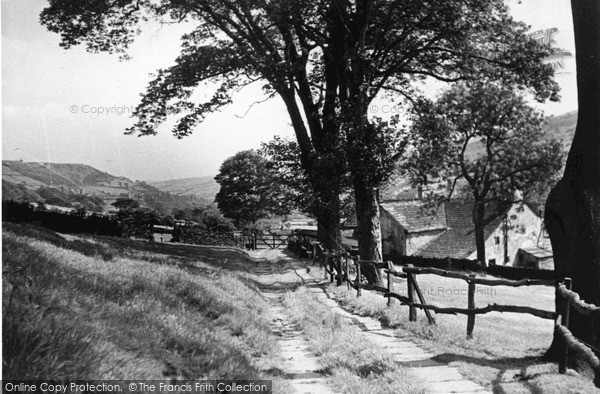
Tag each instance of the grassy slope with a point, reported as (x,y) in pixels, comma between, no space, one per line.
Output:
(506,351)
(117,312)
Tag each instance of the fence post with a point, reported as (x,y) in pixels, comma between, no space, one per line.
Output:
(566,311)
(471,305)
(390,282)
(358,278)
(340,274)
(324,262)
(330,266)
(412,311)
(347,273)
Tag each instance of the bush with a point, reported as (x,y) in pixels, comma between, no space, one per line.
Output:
(214,229)
(75,222)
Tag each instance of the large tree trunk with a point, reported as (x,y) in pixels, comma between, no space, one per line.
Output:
(479,223)
(574,217)
(325,175)
(329,232)
(369,228)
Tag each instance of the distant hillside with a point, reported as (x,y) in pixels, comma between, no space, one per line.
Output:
(75,185)
(204,188)
(562,127)
(55,174)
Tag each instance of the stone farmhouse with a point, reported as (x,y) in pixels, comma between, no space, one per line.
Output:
(514,235)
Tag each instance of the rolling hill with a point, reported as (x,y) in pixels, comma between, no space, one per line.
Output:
(204,188)
(562,127)
(74,185)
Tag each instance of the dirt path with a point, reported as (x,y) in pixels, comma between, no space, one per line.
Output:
(302,368)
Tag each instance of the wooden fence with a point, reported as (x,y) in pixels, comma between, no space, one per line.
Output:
(571,301)
(339,266)
(461,265)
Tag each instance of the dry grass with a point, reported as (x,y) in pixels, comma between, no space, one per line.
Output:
(354,364)
(68,315)
(505,353)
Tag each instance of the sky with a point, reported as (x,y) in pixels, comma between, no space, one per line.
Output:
(71,106)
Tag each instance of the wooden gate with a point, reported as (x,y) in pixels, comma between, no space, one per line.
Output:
(270,241)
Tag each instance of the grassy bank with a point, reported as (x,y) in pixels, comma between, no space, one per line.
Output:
(91,309)
(355,366)
(506,352)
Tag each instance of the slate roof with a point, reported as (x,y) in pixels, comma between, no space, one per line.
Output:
(538,252)
(459,240)
(413,218)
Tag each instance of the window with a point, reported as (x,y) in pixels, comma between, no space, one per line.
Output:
(497,240)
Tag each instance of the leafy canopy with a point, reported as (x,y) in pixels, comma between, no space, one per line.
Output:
(249,189)
(486,136)
(313,52)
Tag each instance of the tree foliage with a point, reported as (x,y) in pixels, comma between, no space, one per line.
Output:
(486,137)
(283,157)
(249,189)
(134,220)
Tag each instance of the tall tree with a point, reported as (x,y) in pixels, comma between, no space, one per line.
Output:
(487,136)
(327,60)
(249,189)
(573,207)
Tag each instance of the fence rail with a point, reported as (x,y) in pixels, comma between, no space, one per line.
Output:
(338,266)
(471,311)
(572,300)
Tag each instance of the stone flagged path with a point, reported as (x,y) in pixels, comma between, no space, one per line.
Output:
(436,377)
(301,368)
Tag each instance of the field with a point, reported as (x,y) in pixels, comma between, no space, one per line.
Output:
(506,353)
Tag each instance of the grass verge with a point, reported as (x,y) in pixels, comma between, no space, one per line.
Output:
(354,364)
